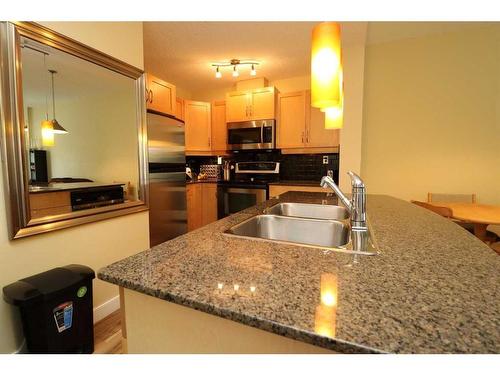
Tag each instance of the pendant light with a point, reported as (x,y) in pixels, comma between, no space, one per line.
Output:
(57,128)
(334,116)
(47,128)
(326,73)
(47,133)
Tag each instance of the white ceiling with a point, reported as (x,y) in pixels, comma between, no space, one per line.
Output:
(182,52)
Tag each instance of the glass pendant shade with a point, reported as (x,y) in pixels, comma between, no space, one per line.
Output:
(235,72)
(334,116)
(47,134)
(253,72)
(326,66)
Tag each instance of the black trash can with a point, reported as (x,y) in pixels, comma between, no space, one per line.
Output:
(56,309)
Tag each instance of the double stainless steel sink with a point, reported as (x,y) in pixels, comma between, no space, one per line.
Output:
(309,225)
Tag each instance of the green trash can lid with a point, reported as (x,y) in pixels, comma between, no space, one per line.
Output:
(46,285)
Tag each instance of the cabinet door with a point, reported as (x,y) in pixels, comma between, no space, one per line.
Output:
(197,120)
(219,127)
(263,103)
(317,135)
(161,96)
(237,106)
(292,115)
(209,203)
(194,206)
(179,108)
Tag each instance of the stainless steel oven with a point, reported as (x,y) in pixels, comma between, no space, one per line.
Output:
(248,188)
(251,135)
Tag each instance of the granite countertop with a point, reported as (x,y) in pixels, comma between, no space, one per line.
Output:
(62,186)
(296,183)
(434,288)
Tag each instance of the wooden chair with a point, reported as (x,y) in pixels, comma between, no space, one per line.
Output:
(443,211)
(455,198)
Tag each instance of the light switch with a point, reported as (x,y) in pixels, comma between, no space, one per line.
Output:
(219,160)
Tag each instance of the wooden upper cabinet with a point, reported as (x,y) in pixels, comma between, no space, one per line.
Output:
(160,95)
(219,127)
(256,104)
(198,125)
(291,120)
(263,104)
(301,126)
(237,106)
(179,108)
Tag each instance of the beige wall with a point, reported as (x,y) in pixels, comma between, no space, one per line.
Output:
(432,116)
(95,244)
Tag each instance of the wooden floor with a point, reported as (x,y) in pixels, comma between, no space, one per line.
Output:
(108,335)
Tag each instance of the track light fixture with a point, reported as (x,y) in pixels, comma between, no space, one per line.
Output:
(234,63)
(235,72)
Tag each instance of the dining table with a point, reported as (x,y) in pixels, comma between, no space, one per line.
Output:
(480,215)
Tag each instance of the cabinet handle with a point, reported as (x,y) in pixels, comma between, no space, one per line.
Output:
(209,142)
(147,95)
(151,96)
(302,137)
(307,136)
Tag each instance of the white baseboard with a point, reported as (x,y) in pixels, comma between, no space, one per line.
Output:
(107,308)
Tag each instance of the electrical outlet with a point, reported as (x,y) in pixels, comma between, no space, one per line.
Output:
(219,160)
(329,173)
(324,201)
(325,159)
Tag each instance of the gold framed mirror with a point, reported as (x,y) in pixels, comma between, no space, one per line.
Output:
(74,142)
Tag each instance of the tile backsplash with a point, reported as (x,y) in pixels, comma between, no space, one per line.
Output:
(307,167)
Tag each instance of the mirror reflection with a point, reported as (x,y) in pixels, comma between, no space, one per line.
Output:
(81,136)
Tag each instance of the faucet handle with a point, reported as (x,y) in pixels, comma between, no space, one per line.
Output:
(356,181)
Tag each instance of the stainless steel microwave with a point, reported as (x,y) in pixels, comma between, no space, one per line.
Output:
(251,135)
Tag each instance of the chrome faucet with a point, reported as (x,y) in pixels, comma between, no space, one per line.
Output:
(357,205)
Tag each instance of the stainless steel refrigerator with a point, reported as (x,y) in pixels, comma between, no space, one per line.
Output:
(167,178)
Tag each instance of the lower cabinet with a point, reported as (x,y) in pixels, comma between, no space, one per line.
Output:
(201,204)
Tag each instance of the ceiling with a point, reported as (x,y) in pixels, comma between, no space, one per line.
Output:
(182,52)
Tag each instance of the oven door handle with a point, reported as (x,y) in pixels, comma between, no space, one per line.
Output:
(262,132)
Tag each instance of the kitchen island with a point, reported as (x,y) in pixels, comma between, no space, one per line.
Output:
(434,288)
